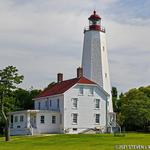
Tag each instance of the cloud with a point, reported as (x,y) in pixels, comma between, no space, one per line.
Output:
(130,12)
(42,38)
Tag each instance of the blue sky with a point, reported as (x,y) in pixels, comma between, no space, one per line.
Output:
(42,38)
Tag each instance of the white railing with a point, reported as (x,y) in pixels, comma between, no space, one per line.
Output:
(102,29)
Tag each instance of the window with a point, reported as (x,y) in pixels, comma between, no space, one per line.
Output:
(57,103)
(21,118)
(50,103)
(103,48)
(97,118)
(42,119)
(75,129)
(53,119)
(74,102)
(81,91)
(91,91)
(46,104)
(105,75)
(16,118)
(97,103)
(39,105)
(75,118)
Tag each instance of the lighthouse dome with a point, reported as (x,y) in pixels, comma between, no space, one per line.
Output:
(94,16)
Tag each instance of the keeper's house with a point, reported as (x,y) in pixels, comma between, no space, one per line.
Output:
(72,106)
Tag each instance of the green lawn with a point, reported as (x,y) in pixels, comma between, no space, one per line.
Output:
(73,142)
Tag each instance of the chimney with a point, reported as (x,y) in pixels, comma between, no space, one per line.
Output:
(59,77)
(79,72)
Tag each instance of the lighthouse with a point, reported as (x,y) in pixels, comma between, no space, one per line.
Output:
(94,57)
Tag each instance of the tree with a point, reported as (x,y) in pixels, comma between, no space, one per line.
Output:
(114,98)
(135,106)
(9,78)
(23,98)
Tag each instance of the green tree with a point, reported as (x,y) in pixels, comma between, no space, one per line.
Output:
(114,98)
(135,106)
(23,98)
(9,78)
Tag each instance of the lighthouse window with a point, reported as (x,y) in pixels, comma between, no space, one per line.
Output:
(106,75)
(103,48)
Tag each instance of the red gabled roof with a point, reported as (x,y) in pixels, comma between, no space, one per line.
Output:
(63,86)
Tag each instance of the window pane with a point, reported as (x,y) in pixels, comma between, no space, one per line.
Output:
(97,118)
(97,103)
(16,118)
(75,118)
(42,119)
(74,102)
(21,118)
(53,119)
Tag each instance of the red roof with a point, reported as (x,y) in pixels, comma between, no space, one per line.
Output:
(94,16)
(63,86)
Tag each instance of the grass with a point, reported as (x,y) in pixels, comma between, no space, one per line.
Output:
(73,142)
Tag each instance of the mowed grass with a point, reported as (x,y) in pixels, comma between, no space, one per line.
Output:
(73,142)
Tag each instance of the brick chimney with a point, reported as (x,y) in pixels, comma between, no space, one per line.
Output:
(79,72)
(59,77)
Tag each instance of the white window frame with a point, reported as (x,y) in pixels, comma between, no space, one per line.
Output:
(21,118)
(74,103)
(53,119)
(97,105)
(97,118)
(16,119)
(42,119)
(74,118)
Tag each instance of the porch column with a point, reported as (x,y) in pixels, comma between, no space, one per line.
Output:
(28,120)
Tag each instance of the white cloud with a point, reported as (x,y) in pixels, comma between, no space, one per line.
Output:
(42,38)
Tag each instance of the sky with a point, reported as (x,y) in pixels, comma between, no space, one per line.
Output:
(44,37)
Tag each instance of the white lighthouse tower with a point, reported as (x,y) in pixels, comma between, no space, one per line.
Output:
(94,58)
